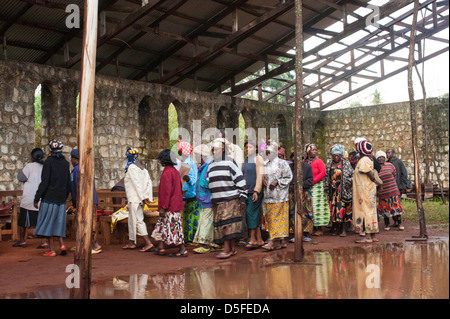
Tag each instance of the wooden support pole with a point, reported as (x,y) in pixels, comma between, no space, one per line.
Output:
(298,147)
(85,192)
(413,114)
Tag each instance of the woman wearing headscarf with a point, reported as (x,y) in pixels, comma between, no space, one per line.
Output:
(139,190)
(169,228)
(30,176)
(191,205)
(277,178)
(205,231)
(338,186)
(364,195)
(228,195)
(389,202)
(52,193)
(321,210)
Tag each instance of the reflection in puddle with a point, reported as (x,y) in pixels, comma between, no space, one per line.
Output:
(386,271)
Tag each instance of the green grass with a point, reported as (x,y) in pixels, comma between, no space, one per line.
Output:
(435,212)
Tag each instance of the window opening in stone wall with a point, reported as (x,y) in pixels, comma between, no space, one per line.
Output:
(38,116)
(173,125)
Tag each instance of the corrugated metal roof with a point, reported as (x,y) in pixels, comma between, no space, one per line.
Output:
(40,28)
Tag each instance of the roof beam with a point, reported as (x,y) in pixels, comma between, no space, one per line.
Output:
(71,34)
(127,22)
(193,34)
(233,39)
(386,10)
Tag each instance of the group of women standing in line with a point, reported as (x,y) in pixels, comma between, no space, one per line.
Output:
(220,201)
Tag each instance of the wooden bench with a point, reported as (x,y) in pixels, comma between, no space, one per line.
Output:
(8,196)
(111,202)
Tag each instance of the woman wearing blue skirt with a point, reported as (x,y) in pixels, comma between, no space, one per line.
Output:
(52,193)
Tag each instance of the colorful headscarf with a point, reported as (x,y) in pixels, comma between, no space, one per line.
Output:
(365,148)
(184,147)
(56,147)
(337,149)
(380,154)
(309,146)
(281,151)
(262,147)
(131,154)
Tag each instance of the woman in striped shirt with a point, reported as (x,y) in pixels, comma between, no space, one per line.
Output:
(228,195)
(389,201)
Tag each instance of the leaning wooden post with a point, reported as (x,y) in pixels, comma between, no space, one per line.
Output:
(298,148)
(85,192)
(413,114)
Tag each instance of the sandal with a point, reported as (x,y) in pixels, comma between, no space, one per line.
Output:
(268,247)
(201,250)
(183,253)
(130,247)
(42,246)
(364,241)
(63,251)
(160,252)
(251,246)
(224,255)
(148,250)
(17,244)
(49,254)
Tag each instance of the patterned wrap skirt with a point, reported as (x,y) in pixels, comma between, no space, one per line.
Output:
(205,230)
(390,207)
(51,220)
(227,221)
(321,207)
(169,229)
(277,217)
(307,218)
(190,217)
(253,211)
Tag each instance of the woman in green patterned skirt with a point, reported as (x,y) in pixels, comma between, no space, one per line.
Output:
(321,210)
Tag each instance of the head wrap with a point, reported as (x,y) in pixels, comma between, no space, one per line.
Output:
(337,149)
(272,147)
(380,154)
(262,147)
(365,147)
(131,154)
(309,146)
(38,155)
(281,151)
(75,153)
(203,150)
(56,147)
(184,147)
(359,139)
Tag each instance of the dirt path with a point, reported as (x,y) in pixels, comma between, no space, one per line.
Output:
(23,269)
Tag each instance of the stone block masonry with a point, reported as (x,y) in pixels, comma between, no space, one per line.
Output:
(136,114)
(388,126)
(125,113)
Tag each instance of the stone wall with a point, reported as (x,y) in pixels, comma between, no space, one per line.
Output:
(125,113)
(388,126)
(136,114)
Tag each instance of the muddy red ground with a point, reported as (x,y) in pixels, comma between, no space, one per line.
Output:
(24,269)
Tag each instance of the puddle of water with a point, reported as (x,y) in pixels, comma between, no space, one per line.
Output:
(386,271)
